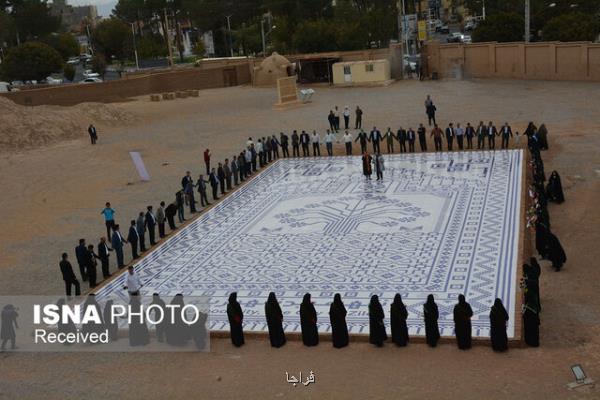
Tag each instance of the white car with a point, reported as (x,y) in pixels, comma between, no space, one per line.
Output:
(53,81)
(91,80)
(467,39)
(85,57)
(73,61)
(88,73)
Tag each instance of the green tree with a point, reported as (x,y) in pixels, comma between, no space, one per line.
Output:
(69,72)
(314,36)
(199,49)
(501,27)
(248,38)
(112,38)
(151,46)
(7,29)
(33,19)
(575,27)
(99,64)
(30,61)
(64,43)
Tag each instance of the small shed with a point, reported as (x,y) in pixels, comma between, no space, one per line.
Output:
(357,73)
(272,68)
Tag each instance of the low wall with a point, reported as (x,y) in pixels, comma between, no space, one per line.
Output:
(121,90)
(577,61)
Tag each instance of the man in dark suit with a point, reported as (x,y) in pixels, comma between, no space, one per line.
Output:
(295,144)
(450,136)
(104,254)
(375,138)
(481,134)
(117,242)
(133,238)
(305,141)
(91,264)
(202,191)
(151,224)
(221,175)
(214,183)
(401,134)
(506,134)
(93,134)
(141,230)
(283,140)
(69,276)
(411,136)
(81,255)
(363,138)
(422,137)
(170,212)
(492,133)
(186,179)
(469,133)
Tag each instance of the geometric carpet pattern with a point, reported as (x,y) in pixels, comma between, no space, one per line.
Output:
(439,223)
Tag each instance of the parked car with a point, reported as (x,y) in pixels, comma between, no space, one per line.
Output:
(6,87)
(467,39)
(455,37)
(471,25)
(91,80)
(73,61)
(445,29)
(88,73)
(53,81)
(410,61)
(85,57)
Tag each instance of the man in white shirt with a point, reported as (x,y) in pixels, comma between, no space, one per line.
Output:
(346,117)
(259,150)
(249,142)
(132,282)
(459,132)
(316,145)
(329,138)
(348,143)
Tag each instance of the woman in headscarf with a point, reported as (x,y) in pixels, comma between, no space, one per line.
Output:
(69,326)
(554,189)
(531,324)
(377,334)
(543,136)
(8,322)
(138,330)
(462,323)
(198,331)
(308,322)
(337,317)
(541,239)
(556,253)
(274,321)
(531,275)
(236,319)
(398,316)
(110,323)
(498,321)
(366,164)
(178,332)
(431,314)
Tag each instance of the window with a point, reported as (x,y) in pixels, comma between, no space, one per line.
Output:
(347,70)
(369,67)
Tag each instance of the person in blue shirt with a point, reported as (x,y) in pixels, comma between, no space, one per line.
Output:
(109,218)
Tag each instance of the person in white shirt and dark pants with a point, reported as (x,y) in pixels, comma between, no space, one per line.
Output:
(132,282)
(329,138)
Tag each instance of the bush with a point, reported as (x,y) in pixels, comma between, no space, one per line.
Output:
(69,72)
(98,64)
(151,47)
(575,27)
(64,43)
(31,61)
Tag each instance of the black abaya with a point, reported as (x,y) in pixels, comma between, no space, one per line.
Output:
(398,316)
(498,321)
(462,323)
(556,253)
(308,322)
(339,329)
(531,326)
(138,330)
(431,314)
(236,319)
(554,189)
(377,334)
(274,321)
(110,323)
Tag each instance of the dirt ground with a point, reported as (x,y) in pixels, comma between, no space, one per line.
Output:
(53,195)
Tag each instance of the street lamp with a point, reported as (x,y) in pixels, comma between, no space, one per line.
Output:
(137,63)
(265,18)
(229,33)
(528,17)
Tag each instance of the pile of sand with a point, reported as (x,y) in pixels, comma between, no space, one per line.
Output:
(23,127)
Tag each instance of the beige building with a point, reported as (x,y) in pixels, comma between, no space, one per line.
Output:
(357,73)
(74,17)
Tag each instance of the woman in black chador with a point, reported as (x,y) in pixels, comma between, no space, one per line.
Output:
(430,311)
(308,322)
(66,327)
(462,323)
(398,316)
(274,321)
(377,334)
(554,190)
(556,253)
(498,321)
(337,316)
(236,319)
(93,327)
(138,330)
(178,331)
(531,323)
(110,322)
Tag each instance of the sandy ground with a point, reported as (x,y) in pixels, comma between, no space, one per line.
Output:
(53,195)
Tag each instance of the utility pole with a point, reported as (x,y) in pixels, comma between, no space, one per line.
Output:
(229,33)
(262,34)
(168,37)
(483,9)
(137,63)
(401,34)
(527,21)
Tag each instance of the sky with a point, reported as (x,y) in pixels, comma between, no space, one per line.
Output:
(104,6)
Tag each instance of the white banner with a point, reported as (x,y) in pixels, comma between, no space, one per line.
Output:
(136,157)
